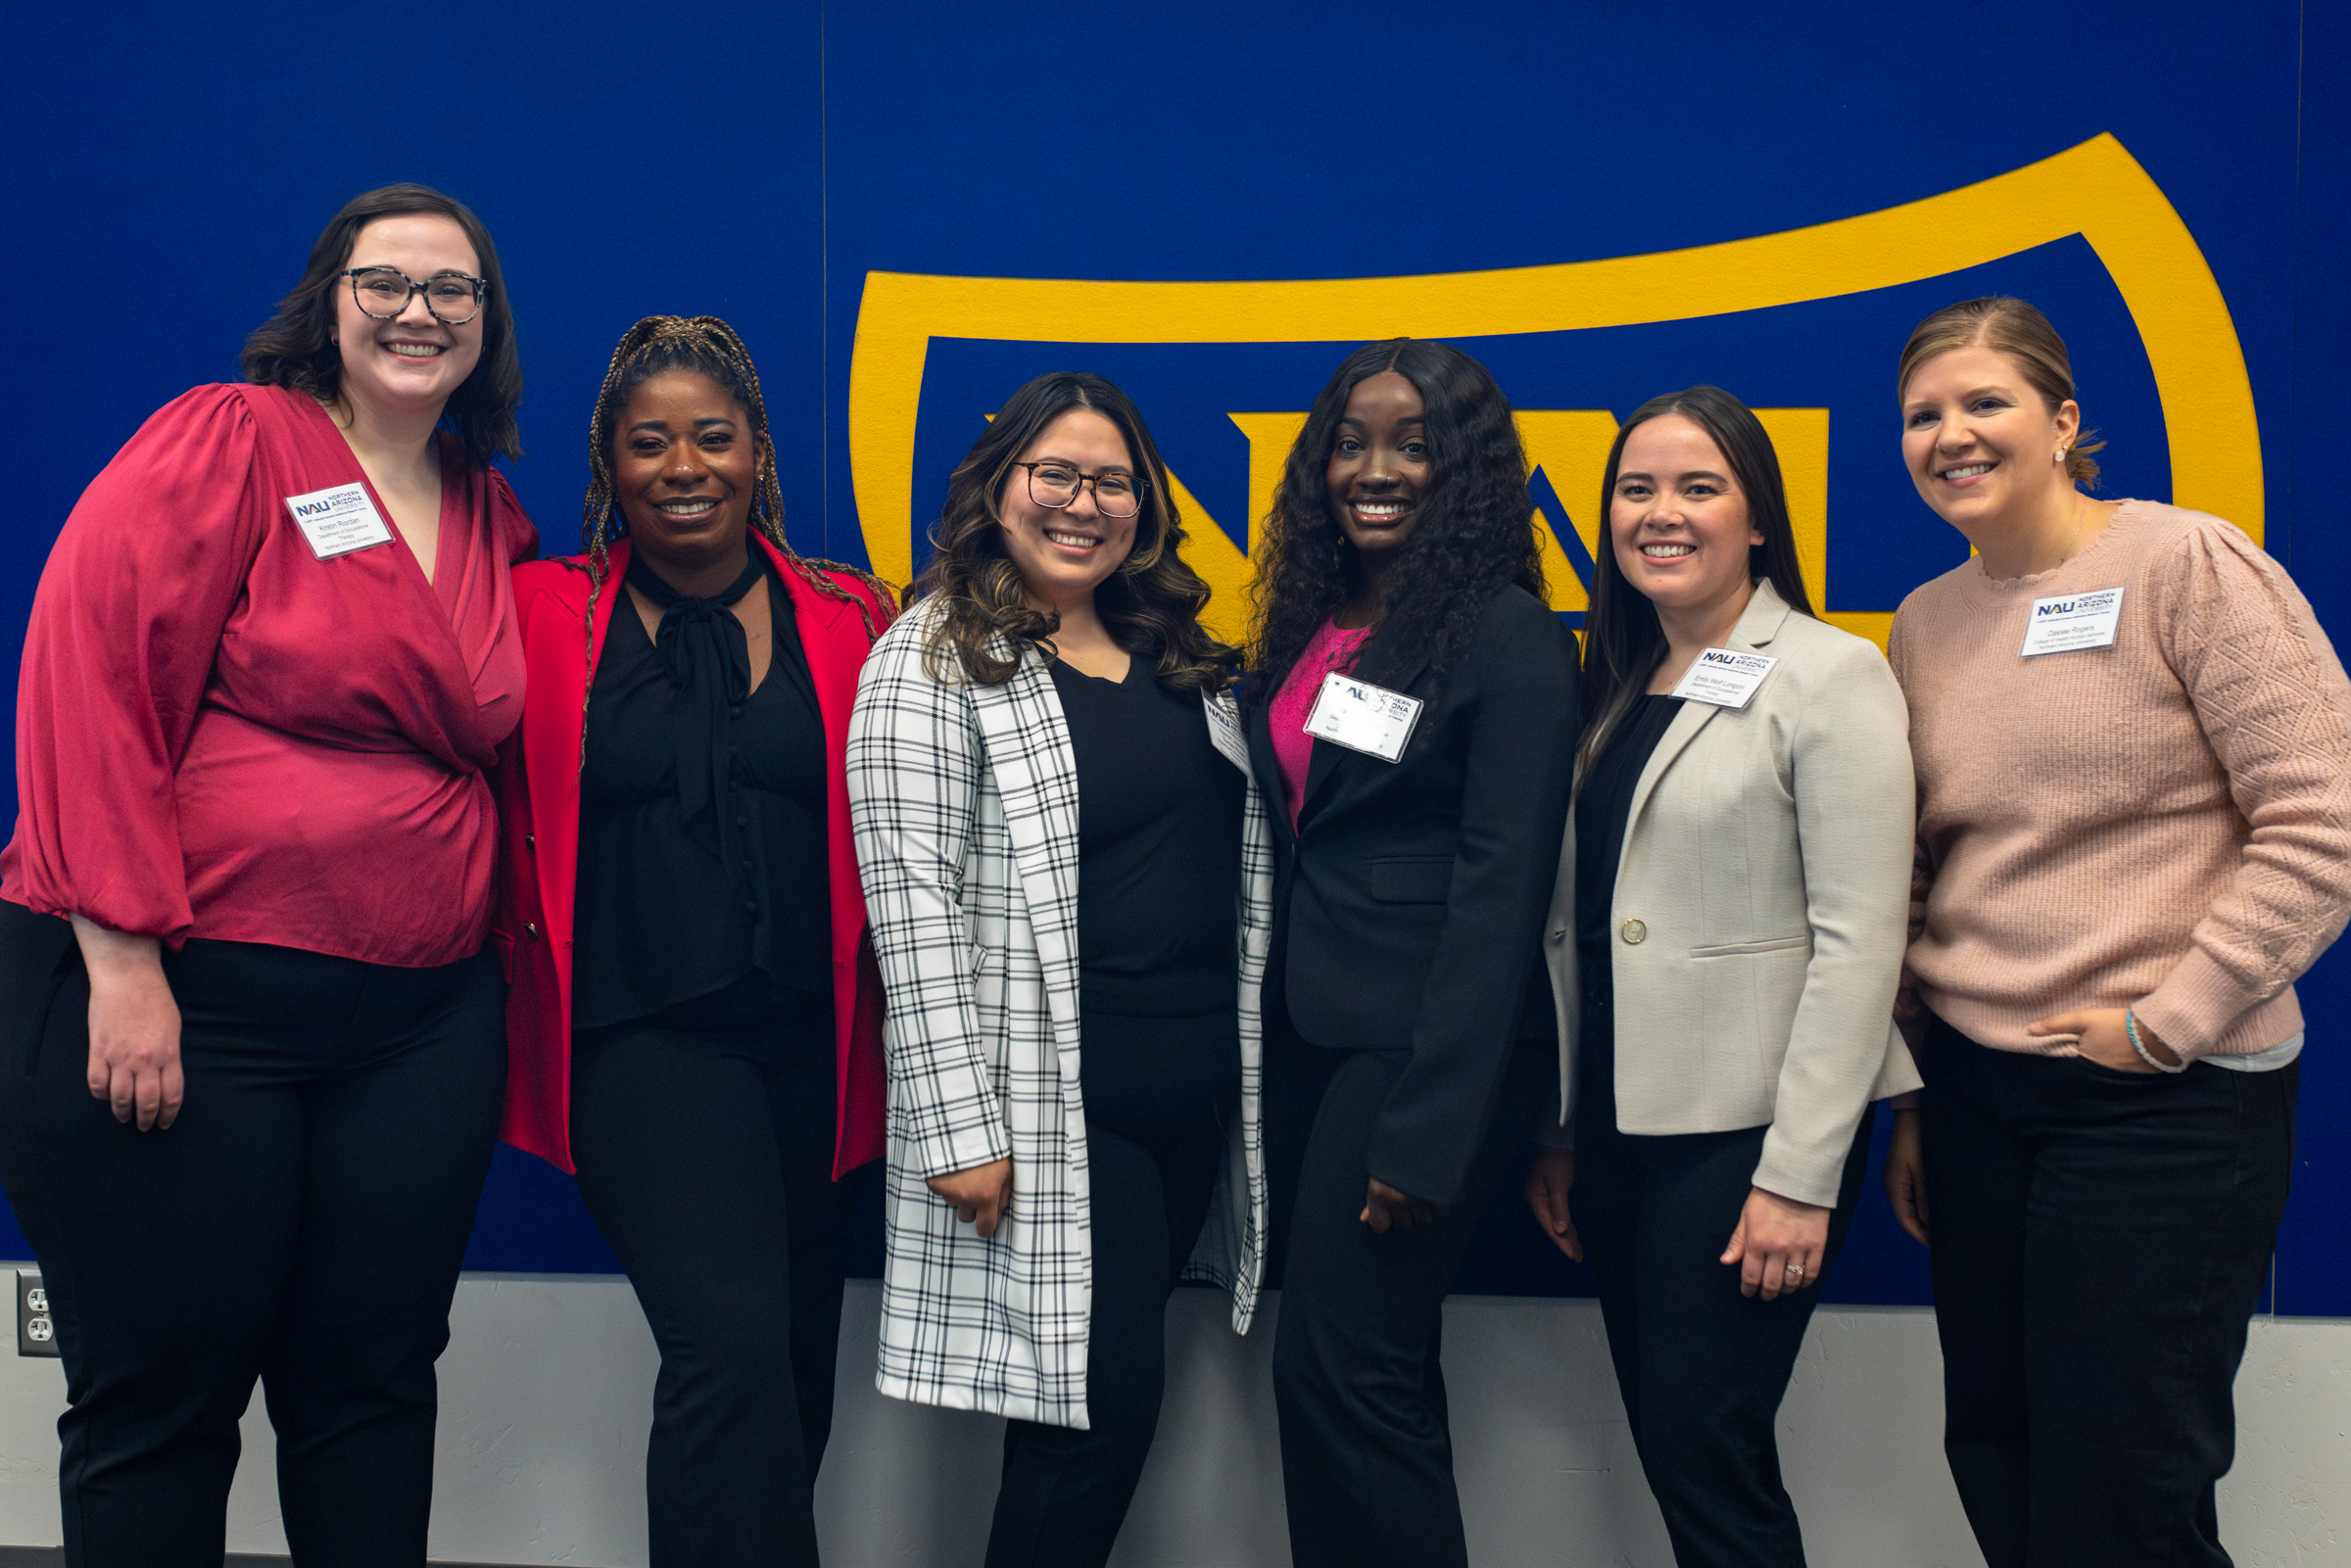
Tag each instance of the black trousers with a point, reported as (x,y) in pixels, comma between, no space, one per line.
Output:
(1159,1095)
(704,1148)
(1702,1368)
(301,1221)
(2100,1240)
(1367,1459)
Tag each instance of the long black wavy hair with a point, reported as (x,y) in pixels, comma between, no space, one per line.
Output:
(296,347)
(1476,536)
(1150,605)
(1624,641)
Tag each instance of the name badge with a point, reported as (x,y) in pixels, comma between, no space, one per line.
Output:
(338,520)
(1363,717)
(1724,677)
(2073,622)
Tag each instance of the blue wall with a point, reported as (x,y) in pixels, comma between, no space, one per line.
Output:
(759,161)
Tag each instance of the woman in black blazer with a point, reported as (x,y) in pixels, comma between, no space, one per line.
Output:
(1407,1017)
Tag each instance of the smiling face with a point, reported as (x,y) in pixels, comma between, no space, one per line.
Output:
(412,363)
(685,468)
(1065,552)
(1379,467)
(1678,521)
(1981,444)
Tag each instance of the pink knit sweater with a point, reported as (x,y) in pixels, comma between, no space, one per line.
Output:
(2164,824)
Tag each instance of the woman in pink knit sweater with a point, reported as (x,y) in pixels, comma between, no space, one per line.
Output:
(2134,754)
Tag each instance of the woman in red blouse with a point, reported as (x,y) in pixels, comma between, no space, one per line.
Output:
(258,1038)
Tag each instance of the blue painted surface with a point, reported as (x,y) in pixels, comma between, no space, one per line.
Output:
(762,172)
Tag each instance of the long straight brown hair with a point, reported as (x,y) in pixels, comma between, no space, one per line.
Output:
(1624,640)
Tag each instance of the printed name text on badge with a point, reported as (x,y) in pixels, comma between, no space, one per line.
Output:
(338,520)
(1725,677)
(2072,622)
(1363,717)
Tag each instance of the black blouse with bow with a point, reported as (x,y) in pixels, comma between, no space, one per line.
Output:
(701,809)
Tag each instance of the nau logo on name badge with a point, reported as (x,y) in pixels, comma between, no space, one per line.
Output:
(1363,717)
(1725,677)
(338,520)
(2072,622)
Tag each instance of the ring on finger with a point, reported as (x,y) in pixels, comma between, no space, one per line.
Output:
(1795,1270)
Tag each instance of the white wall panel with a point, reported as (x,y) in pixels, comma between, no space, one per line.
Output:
(548,1383)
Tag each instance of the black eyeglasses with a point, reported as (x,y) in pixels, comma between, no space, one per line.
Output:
(383,292)
(1117,492)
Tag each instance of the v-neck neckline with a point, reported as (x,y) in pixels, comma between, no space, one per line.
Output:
(1107,680)
(429,582)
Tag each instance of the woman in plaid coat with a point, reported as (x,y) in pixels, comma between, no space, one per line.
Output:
(1073,995)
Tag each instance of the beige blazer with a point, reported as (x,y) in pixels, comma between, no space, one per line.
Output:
(1761,909)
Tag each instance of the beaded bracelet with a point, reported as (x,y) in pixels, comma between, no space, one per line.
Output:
(2131,1028)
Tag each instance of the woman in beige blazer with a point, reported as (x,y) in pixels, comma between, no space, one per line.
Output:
(1724,942)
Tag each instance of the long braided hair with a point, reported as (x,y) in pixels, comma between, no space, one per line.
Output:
(707,346)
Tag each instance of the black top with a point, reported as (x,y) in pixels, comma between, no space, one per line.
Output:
(1159,846)
(1602,808)
(663,917)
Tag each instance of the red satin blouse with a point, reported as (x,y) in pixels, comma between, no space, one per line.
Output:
(220,735)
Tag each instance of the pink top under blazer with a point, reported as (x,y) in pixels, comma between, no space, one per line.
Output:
(538,783)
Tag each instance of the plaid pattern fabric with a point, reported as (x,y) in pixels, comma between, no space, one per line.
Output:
(965,802)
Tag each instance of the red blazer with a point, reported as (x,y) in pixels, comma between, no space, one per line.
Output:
(538,785)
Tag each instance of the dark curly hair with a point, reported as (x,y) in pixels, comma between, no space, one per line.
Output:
(1476,536)
(707,346)
(1150,605)
(296,348)
(1624,641)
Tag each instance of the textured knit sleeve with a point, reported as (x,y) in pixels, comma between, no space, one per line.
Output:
(914,765)
(2273,703)
(126,625)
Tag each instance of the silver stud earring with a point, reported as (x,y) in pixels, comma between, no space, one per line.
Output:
(2060,457)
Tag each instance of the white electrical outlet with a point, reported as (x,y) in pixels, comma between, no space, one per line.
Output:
(36,1328)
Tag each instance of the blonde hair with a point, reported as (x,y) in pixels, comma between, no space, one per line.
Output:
(2008,326)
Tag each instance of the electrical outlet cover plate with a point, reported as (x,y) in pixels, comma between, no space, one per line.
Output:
(36,1330)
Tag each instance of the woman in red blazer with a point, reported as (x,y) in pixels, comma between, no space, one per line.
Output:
(695,1019)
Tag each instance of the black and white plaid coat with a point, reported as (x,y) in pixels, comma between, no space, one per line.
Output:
(965,802)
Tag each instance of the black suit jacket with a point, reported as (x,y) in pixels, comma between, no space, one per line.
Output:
(1408,913)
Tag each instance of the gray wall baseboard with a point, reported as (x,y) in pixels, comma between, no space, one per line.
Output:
(55,1557)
